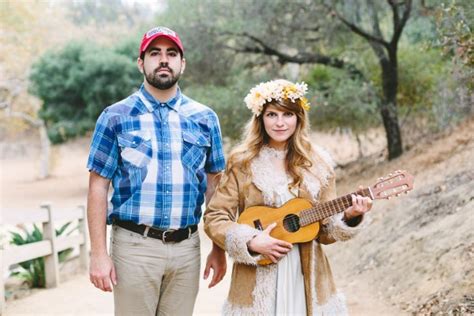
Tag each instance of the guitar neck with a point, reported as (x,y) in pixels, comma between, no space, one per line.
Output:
(328,209)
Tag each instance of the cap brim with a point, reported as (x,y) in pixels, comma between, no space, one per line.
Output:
(151,39)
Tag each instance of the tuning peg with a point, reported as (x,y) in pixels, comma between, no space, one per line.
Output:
(389,197)
(390,174)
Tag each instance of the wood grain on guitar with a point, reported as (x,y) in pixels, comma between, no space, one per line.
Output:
(298,219)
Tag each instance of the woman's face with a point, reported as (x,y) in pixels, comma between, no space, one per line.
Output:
(279,125)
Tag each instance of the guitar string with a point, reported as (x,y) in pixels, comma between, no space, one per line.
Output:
(325,208)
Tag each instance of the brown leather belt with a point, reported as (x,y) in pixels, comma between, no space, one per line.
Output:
(170,235)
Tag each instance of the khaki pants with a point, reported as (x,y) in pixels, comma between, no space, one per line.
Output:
(154,278)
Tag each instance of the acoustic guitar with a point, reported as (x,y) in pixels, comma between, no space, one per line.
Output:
(298,219)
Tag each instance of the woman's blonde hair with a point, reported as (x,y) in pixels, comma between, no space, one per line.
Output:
(299,147)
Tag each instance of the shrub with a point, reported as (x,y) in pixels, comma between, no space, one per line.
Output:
(340,101)
(77,82)
(228,104)
(33,270)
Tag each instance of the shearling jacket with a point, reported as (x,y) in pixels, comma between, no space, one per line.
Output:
(252,286)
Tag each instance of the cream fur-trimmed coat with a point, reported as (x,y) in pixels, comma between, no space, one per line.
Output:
(252,289)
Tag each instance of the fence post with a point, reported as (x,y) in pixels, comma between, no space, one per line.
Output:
(51,262)
(84,247)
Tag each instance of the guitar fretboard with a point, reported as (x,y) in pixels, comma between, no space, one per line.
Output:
(328,209)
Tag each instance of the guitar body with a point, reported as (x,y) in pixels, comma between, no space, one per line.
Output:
(286,217)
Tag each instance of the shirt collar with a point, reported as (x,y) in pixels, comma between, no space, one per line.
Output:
(152,104)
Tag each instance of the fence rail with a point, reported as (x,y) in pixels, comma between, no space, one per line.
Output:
(48,247)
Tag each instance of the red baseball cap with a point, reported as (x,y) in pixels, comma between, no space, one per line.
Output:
(156,32)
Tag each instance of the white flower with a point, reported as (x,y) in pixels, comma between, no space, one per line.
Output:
(277,90)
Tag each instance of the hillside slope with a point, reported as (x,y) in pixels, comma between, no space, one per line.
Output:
(417,254)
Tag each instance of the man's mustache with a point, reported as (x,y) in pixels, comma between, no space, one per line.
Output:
(163,68)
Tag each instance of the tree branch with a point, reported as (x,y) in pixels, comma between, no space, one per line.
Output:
(6,105)
(26,117)
(375,20)
(301,58)
(399,24)
(379,51)
(396,17)
(354,28)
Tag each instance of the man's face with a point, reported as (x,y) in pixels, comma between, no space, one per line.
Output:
(162,64)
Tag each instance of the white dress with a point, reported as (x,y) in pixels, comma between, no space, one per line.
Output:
(290,294)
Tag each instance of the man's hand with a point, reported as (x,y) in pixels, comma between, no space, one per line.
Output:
(216,261)
(102,272)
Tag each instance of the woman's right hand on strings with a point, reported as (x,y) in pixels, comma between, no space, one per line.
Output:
(271,248)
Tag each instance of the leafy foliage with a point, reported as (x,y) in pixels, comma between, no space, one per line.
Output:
(340,101)
(77,82)
(455,24)
(33,270)
(228,104)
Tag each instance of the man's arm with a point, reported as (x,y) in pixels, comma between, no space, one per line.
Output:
(101,271)
(216,259)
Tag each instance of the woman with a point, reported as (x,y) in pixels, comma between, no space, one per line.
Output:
(275,163)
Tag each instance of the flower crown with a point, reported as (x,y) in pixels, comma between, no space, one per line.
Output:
(276,90)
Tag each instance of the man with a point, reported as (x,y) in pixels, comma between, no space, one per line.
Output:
(162,152)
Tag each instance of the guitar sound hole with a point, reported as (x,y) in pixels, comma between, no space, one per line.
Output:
(291,223)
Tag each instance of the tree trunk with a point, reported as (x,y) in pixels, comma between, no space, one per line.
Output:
(45,150)
(359,146)
(388,108)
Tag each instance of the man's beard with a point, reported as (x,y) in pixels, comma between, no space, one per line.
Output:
(161,83)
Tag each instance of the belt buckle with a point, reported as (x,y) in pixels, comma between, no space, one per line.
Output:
(165,233)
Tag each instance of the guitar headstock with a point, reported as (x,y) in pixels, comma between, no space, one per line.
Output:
(393,184)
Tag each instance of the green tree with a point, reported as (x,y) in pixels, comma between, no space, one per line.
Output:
(77,82)
(319,37)
(335,92)
(197,23)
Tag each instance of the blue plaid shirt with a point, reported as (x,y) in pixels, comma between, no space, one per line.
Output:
(157,156)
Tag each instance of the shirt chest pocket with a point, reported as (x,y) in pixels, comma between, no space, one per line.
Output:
(135,148)
(195,148)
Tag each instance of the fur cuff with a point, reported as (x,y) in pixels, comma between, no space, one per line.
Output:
(236,244)
(339,230)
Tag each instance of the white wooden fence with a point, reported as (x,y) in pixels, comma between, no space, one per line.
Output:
(48,247)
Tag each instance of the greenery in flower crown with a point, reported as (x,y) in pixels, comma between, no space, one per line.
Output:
(276,90)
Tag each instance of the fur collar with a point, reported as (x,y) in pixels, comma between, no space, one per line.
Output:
(275,184)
